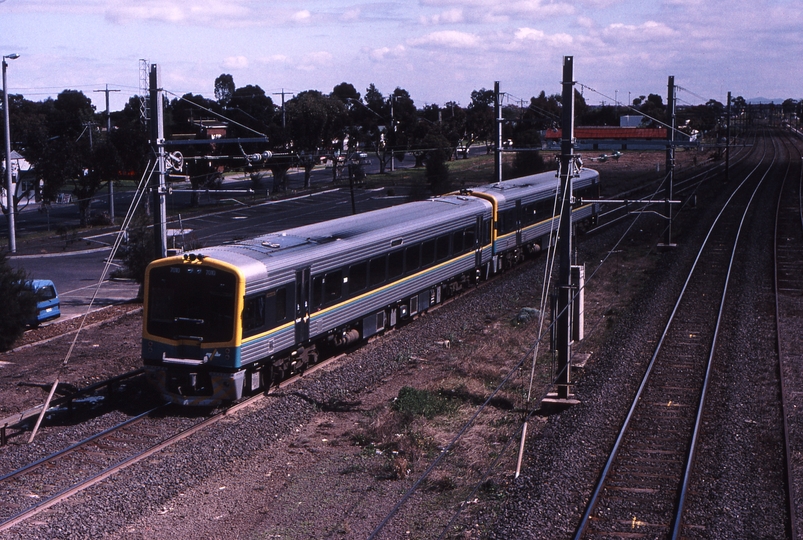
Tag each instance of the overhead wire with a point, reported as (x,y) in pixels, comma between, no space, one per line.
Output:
(630,107)
(118,240)
(217,114)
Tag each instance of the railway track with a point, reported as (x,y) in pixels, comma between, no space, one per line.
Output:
(685,186)
(106,390)
(39,485)
(642,487)
(788,254)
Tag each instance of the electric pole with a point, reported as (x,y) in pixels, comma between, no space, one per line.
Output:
(564,308)
(498,114)
(284,118)
(108,134)
(392,130)
(728,142)
(670,159)
(157,145)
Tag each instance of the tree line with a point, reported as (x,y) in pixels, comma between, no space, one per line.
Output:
(65,141)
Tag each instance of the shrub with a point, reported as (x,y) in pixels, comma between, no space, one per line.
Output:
(18,301)
(139,251)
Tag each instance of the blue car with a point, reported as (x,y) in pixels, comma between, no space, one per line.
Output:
(47,301)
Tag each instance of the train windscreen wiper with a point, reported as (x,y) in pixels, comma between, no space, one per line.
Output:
(187,319)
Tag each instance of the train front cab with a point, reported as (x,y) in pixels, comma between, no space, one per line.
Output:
(191,330)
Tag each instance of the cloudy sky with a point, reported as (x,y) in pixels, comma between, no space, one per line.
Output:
(438,50)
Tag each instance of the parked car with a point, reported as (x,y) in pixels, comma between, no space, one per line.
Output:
(47,301)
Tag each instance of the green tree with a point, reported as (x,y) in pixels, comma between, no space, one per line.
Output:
(224,89)
(315,122)
(251,107)
(437,154)
(129,136)
(18,301)
(480,122)
(67,155)
(345,92)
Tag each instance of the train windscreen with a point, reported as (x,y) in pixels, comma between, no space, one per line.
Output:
(190,302)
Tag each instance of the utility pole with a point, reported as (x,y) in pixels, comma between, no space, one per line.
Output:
(393,129)
(498,151)
(12,235)
(564,307)
(284,117)
(670,160)
(728,142)
(108,134)
(157,145)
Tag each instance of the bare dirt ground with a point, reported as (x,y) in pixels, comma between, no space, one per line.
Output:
(108,345)
(337,474)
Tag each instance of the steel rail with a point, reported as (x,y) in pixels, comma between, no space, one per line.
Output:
(119,466)
(79,444)
(591,505)
(137,457)
(677,523)
(16,419)
(786,406)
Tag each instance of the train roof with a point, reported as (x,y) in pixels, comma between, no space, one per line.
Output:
(397,225)
(545,182)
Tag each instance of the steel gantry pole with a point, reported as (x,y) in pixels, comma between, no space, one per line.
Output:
(563,330)
(498,150)
(157,144)
(669,189)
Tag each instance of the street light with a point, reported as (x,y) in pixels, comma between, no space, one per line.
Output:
(12,241)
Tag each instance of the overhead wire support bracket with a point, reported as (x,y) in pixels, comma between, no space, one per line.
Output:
(190,142)
(627,201)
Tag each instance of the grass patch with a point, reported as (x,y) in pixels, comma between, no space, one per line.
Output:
(413,402)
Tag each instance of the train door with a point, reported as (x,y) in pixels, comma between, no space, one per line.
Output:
(302,305)
(479,241)
(518,223)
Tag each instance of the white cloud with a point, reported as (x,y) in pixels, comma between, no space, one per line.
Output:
(492,11)
(450,16)
(177,11)
(351,15)
(302,16)
(315,60)
(447,38)
(554,40)
(647,31)
(235,62)
(384,53)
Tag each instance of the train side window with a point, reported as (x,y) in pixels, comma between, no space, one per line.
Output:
(333,286)
(528,214)
(443,247)
(544,209)
(254,313)
(508,221)
(458,242)
(486,232)
(427,253)
(317,291)
(395,264)
(376,271)
(280,309)
(358,277)
(469,239)
(412,259)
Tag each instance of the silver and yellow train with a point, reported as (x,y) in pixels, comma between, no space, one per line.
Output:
(230,320)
